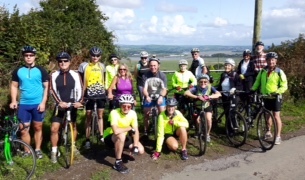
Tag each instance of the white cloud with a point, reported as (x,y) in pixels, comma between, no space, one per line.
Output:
(120,3)
(173,8)
(218,22)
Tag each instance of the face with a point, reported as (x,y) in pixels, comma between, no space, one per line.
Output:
(64,64)
(203,83)
(183,67)
(170,109)
(154,66)
(144,60)
(229,67)
(125,108)
(114,61)
(247,56)
(122,70)
(271,62)
(29,58)
(95,58)
(195,55)
(259,48)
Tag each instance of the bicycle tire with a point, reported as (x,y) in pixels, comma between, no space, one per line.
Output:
(69,149)
(202,134)
(262,128)
(237,135)
(24,164)
(154,119)
(94,129)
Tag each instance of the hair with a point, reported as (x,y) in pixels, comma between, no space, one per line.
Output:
(128,74)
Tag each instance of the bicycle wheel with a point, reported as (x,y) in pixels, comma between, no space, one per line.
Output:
(94,129)
(266,139)
(236,129)
(68,145)
(202,134)
(23,164)
(154,119)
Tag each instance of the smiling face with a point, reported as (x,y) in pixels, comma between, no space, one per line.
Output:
(170,110)
(64,64)
(29,58)
(183,67)
(271,62)
(95,58)
(125,108)
(154,66)
(259,48)
(229,67)
(203,83)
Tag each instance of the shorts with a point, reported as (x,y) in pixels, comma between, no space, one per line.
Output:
(153,103)
(166,136)
(28,113)
(61,113)
(100,104)
(273,104)
(128,141)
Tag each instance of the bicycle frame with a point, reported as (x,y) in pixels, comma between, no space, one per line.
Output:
(9,137)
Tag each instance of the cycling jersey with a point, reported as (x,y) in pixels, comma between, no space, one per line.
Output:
(142,70)
(111,71)
(123,86)
(154,83)
(165,128)
(271,82)
(196,65)
(121,120)
(183,79)
(93,77)
(66,86)
(30,81)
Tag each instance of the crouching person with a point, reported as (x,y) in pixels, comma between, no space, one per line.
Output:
(171,125)
(123,132)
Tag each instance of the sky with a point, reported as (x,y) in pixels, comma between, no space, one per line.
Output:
(194,22)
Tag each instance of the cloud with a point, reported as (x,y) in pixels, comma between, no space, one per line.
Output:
(219,22)
(131,4)
(173,8)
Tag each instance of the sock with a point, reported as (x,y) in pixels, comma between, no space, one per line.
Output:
(117,161)
(54,149)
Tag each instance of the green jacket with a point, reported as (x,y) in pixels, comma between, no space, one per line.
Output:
(275,83)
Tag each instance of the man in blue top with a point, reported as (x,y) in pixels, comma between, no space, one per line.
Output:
(33,82)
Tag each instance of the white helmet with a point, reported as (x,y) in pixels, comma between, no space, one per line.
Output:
(230,61)
(126,98)
(183,61)
(195,50)
(143,54)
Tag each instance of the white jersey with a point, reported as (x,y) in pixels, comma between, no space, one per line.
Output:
(199,68)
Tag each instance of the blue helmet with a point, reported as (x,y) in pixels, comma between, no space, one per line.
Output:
(28,49)
(95,51)
(171,102)
(272,55)
(63,55)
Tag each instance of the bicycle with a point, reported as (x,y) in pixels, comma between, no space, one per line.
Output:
(17,158)
(153,114)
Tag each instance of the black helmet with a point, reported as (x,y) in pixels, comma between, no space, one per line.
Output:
(154,59)
(171,102)
(63,55)
(95,51)
(247,51)
(259,43)
(272,55)
(113,56)
(28,49)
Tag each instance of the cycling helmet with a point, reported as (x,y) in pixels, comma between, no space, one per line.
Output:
(63,55)
(259,43)
(95,51)
(154,59)
(126,98)
(203,76)
(28,49)
(247,51)
(195,50)
(183,61)
(143,54)
(230,61)
(171,102)
(113,56)
(272,55)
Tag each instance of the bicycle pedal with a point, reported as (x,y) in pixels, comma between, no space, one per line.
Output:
(58,154)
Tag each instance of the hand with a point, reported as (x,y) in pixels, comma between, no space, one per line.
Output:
(232,91)
(148,99)
(191,86)
(206,97)
(160,100)
(131,132)
(135,150)
(78,105)
(155,155)
(110,96)
(178,88)
(41,107)
(242,76)
(201,98)
(63,105)
(13,105)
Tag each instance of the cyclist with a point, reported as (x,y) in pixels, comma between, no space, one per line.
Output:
(33,82)
(123,131)
(171,125)
(271,80)
(122,82)
(203,92)
(155,83)
(111,71)
(259,57)
(197,66)
(139,72)
(65,87)
(181,81)
(93,78)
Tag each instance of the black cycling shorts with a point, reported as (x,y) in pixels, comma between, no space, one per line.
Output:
(100,104)
(61,113)
(108,141)
(273,104)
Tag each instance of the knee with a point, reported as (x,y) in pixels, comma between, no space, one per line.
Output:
(37,127)
(173,146)
(54,130)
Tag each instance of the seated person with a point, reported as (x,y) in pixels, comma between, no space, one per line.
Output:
(123,132)
(171,124)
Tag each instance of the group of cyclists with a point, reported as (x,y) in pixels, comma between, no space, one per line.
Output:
(94,83)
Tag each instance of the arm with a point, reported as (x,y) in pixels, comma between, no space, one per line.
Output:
(180,121)
(188,93)
(112,86)
(257,82)
(283,85)
(174,80)
(192,78)
(14,94)
(42,105)
(117,130)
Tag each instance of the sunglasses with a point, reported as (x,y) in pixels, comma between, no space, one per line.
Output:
(114,59)
(95,55)
(28,55)
(194,54)
(143,57)
(122,69)
(201,82)
(125,106)
(61,61)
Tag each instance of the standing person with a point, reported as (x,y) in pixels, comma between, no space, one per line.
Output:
(94,87)
(197,66)
(65,87)
(171,125)
(123,132)
(155,83)
(259,57)
(271,80)
(139,72)
(122,82)
(111,72)
(33,82)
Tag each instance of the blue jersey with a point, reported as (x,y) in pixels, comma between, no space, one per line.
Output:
(30,81)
